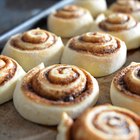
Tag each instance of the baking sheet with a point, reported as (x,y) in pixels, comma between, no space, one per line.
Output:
(14,127)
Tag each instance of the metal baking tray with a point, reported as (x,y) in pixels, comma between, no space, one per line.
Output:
(32,20)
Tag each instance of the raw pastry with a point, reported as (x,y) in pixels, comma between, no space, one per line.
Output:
(94,6)
(10,72)
(31,48)
(45,93)
(125,88)
(99,53)
(103,122)
(122,26)
(70,21)
(127,6)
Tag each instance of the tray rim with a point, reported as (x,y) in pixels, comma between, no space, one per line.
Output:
(31,21)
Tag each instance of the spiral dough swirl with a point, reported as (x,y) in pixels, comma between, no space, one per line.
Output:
(95,43)
(7,69)
(58,83)
(118,22)
(128,80)
(126,6)
(36,39)
(69,12)
(107,122)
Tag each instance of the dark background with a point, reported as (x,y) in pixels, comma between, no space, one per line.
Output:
(14,12)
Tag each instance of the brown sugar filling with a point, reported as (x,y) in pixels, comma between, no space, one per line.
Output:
(38,41)
(112,122)
(94,46)
(117,23)
(8,70)
(69,12)
(29,91)
(120,83)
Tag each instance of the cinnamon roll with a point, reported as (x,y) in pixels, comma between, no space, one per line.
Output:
(125,88)
(31,48)
(122,26)
(127,6)
(94,6)
(10,72)
(70,21)
(99,53)
(45,93)
(104,122)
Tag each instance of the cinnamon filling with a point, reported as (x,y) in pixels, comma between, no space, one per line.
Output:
(60,81)
(36,39)
(35,36)
(95,43)
(69,12)
(112,123)
(8,69)
(118,123)
(118,22)
(39,91)
(127,6)
(57,81)
(128,81)
(69,98)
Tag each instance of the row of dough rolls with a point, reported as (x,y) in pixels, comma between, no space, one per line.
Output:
(44,93)
(63,88)
(73,20)
(99,53)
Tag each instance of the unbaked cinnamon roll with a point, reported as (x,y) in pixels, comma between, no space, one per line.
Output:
(45,93)
(10,72)
(31,48)
(122,26)
(94,6)
(99,53)
(125,88)
(127,6)
(103,122)
(70,21)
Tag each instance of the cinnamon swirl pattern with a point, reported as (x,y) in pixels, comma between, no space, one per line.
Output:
(10,72)
(94,6)
(103,122)
(31,48)
(125,88)
(70,21)
(45,93)
(99,53)
(127,6)
(122,26)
